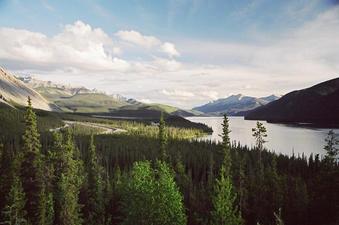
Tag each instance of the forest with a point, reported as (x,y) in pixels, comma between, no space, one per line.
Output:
(157,175)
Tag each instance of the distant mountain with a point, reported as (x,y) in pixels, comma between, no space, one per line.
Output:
(234,105)
(84,100)
(14,92)
(76,99)
(318,104)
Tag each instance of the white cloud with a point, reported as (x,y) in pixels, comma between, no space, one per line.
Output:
(78,45)
(166,64)
(117,51)
(177,93)
(148,42)
(146,101)
(213,95)
(169,48)
(137,38)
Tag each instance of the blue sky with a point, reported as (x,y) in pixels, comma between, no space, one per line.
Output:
(202,19)
(179,52)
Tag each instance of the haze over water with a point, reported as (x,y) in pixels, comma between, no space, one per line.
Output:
(282,138)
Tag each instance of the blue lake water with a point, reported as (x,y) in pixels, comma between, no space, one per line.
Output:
(282,138)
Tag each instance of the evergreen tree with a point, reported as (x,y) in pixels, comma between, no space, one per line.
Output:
(31,135)
(225,211)
(32,176)
(14,212)
(94,204)
(69,178)
(49,209)
(107,200)
(241,189)
(151,196)
(49,187)
(259,133)
(225,154)
(6,174)
(162,138)
(331,148)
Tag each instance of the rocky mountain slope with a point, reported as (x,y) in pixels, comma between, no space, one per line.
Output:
(14,92)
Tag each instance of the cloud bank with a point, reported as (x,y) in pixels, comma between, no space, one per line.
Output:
(184,73)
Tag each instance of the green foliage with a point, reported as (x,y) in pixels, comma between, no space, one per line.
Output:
(226,147)
(49,209)
(14,212)
(7,172)
(152,197)
(69,178)
(64,177)
(80,129)
(88,102)
(162,138)
(259,133)
(95,187)
(31,135)
(331,148)
(224,212)
(31,172)
(165,108)
(13,121)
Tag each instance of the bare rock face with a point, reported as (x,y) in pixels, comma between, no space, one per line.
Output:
(14,92)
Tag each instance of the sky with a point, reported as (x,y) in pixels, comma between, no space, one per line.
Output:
(178,52)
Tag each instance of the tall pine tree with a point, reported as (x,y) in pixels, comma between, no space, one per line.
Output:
(94,206)
(69,178)
(32,175)
(259,133)
(152,197)
(225,210)
(162,138)
(14,212)
(331,148)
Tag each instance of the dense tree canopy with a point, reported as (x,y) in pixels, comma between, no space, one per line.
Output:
(72,177)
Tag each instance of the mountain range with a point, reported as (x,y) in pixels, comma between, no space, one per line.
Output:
(234,105)
(51,96)
(318,104)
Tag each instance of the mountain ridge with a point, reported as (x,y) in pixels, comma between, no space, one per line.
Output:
(84,100)
(318,104)
(234,105)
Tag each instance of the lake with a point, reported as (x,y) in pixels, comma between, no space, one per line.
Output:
(282,138)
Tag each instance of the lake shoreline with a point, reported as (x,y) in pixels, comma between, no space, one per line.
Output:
(320,125)
(282,138)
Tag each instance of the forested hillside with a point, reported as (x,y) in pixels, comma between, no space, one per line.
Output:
(317,105)
(152,176)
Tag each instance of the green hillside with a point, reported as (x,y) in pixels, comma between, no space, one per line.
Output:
(89,103)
